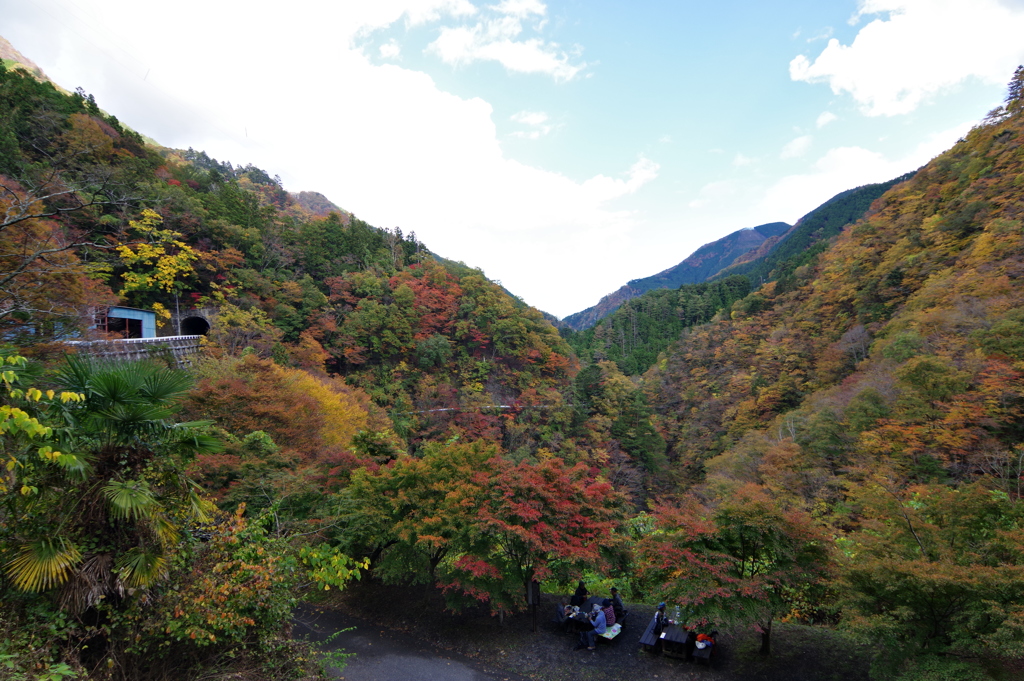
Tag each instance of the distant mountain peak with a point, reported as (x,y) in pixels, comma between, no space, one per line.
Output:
(705,262)
(8,53)
(318,204)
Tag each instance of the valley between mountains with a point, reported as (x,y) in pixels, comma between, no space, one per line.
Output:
(806,437)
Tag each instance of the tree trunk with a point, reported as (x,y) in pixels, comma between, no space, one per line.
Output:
(766,639)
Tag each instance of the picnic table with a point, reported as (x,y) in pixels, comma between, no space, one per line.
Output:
(677,641)
(581,622)
(680,642)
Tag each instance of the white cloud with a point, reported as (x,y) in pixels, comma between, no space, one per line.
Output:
(359,18)
(714,193)
(917,49)
(499,38)
(843,168)
(416,12)
(381,140)
(603,189)
(390,50)
(534,118)
(825,118)
(537,122)
(521,8)
(824,34)
(797,147)
(740,160)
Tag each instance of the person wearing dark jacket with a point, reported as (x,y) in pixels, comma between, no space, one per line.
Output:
(580,597)
(651,639)
(618,606)
(562,614)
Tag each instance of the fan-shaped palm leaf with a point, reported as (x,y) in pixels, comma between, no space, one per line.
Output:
(166,531)
(140,568)
(74,375)
(185,438)
(165,385)
(130,499)
(124,423)
(199,507)
(43,564)
(107,383)
(117,384)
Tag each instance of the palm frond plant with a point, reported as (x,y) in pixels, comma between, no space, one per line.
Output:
(131,499)
(92,581)
(104,503)
(43,563)
(139,567)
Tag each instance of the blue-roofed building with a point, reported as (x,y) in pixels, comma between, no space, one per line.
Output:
(126,322)
(128,333)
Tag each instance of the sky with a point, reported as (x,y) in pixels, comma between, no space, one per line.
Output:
(563,147)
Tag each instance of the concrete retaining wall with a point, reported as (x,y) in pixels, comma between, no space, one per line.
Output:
(182,348)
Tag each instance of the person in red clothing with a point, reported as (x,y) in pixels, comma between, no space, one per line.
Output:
(618,605)
(609,611)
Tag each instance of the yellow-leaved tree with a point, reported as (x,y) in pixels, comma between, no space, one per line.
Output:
(157,260)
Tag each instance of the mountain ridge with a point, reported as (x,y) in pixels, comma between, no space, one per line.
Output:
(812,231)
(695,268)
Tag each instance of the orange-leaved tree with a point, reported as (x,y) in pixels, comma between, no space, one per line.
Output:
(745,560)
(44,285)
(528,521)
(481,525)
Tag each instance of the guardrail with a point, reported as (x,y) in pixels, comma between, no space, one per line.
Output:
(182,348)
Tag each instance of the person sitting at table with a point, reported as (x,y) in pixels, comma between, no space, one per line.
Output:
(580,623)
(618,606)
(651,639)
(563,611)
(609,611)
(600,626)
(580,597)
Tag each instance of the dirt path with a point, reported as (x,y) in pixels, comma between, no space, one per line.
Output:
(380,655)
(419,637)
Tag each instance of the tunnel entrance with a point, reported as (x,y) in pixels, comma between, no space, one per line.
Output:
(194,326)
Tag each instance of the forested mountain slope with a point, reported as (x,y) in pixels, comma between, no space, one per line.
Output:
(808,237)
(289,275)
(637,331)
(882,393)
(14,59)
(841,447)
(634,335)
(701,264)
(897,344)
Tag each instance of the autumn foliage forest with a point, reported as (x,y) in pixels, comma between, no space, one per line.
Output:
(838,447)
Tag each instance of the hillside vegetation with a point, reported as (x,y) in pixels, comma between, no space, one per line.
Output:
(840,447)
(702,264)
(634,333)
(882,393)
